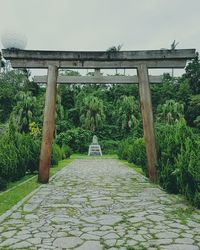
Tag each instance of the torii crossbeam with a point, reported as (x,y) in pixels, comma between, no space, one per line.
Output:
(140,60)
(97,79)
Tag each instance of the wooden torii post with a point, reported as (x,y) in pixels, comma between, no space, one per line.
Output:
(140,60)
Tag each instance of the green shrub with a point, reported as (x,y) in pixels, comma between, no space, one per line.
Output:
(66,151)
(196,200)
(77,139)
(123,150)
(3,183)
(187,171)
(56,155)
(30,151)
(178,168)
(137,154)
(109,146)
(19,153)
(8,160)
(133,150)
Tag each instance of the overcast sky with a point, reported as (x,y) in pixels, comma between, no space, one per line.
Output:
(100,24)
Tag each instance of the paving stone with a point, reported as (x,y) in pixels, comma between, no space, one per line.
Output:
(99,233)
(109,219)
(159,242)
(92,229)
(35,241)
(180,247)
(120,243)
(9,242)
(67,242)
(42,235)
(179,226)
(93,245)
(22,245)
(8,234)
(22,236)
(31,217)
(22,232)
(167,235)
(193,224)
(99,201)
(30,207)
(88,236)
(73,232)
(132,243)
(187,235)
(156,218)
(113,248)
(136,219)
(184,241)
(111,236)
(138,238)
(16,215)
(90,219)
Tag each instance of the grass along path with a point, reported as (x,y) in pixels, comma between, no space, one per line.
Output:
(132,165)
(85,156)
(18,190)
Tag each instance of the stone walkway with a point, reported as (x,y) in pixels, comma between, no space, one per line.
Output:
(101,204)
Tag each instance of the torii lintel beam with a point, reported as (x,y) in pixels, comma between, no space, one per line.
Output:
(98,59)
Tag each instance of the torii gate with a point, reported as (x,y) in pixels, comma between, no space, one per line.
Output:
(140,60)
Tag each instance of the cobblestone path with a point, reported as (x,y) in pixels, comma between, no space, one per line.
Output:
(101,204)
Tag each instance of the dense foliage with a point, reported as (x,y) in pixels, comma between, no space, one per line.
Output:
(179,160)
(112,113)
(19,154)
(133,150)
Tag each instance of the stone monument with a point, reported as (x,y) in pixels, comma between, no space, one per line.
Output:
(94,148)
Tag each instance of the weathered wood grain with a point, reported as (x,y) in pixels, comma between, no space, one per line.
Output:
(48,125)
(99,55)
(99,59)
(97,79)
(168,63)
(147,118)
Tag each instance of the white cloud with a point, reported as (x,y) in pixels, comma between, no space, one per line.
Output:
(99,24)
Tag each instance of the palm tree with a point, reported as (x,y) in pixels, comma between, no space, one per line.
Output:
(173,47)
(115,49)
(23,111)
(127,111)
(92,113)
(171,111)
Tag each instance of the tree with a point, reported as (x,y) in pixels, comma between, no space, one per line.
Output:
(197,122)
(92,113)
(171,111)
(173,47)
(113,50)
(23,111)
(193,111)
(10,83)
(193,75)
(127,113)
